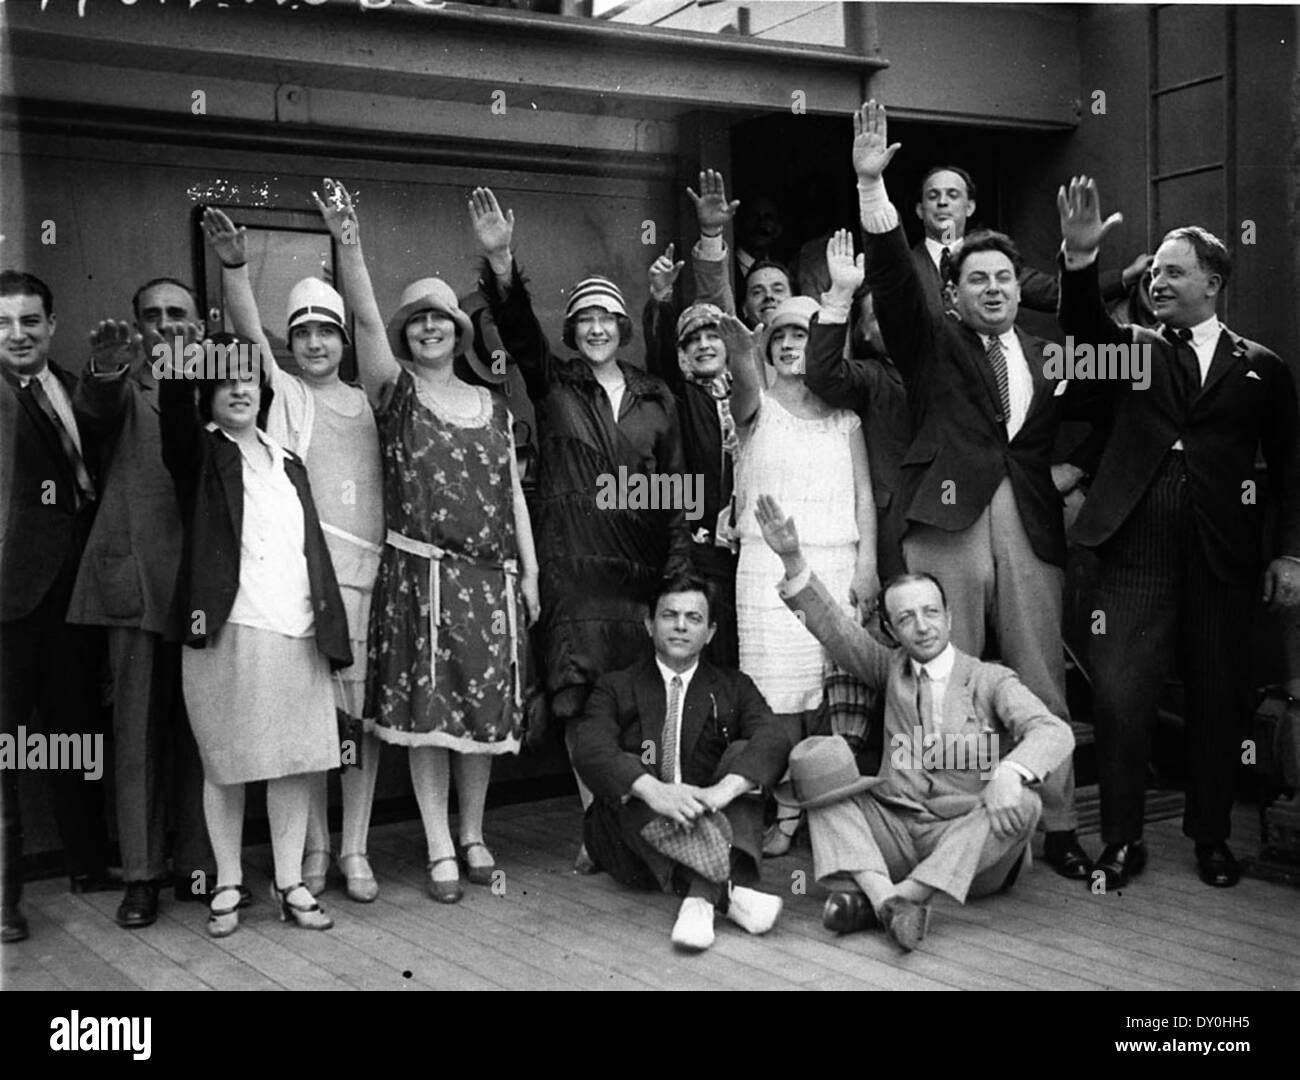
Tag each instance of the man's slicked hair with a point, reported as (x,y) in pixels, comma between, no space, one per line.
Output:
(907,578)
(966,178)
(986,240)
(686,581)
(135,300)
(1211,253)
(18,283)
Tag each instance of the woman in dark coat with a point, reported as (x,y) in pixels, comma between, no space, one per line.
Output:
(609,441)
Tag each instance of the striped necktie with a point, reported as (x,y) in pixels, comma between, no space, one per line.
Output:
(998,361)
(672,722)
(85,486)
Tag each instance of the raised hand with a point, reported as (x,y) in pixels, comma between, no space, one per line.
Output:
(170,364)
(847,273)
(871,150)
(663,274)
(113,344)
(494,229)
(339,213)
(712,210)
(738,338)
(226,241)
(778,530)
(1081,226)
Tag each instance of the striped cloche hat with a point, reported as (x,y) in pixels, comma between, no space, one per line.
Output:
(596,291)
(312,300)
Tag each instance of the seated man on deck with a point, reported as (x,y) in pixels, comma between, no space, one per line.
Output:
(952,809)
(673,747)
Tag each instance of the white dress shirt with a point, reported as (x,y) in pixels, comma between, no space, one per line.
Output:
(668,674)
(940,671)
(935,250)
(59,399)
(1205,339)
(1020,384)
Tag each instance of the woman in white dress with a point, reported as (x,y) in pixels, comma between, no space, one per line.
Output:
(795,447)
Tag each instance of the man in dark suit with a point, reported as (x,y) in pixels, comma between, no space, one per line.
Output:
(676,738)
(983,514)
(951,809)
(1174,517)
(126,582)
(48,669)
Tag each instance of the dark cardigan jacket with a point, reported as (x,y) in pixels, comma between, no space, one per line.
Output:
(207,469)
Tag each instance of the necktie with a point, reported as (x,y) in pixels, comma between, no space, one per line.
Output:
(85,487)
(998,361)
(924,697)
(945,266)
(1185,361)
(668,744)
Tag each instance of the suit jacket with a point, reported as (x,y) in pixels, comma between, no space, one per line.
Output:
(618,735)
(981,699)
(872,388)
(1247,400)
(959,451)
(128,571)
(207,469)
(42,533)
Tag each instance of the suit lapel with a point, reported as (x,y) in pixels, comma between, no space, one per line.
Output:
(979,357)
(954,699)
(651,705)
(695,710)
(1226,354)
(45,430)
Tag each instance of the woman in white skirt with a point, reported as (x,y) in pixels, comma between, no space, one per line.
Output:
(258,604)
(814,456)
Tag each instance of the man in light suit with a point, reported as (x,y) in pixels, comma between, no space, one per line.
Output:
(126,582)
(676,737)
(1175,519)
(982,513)
(48,669)
(951,810)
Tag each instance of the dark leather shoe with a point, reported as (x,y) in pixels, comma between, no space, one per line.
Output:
(1216,865)
(905,922)
(847,913)
(1063,853)
(140,905)
(1119,862)
(99,881)
(15,926)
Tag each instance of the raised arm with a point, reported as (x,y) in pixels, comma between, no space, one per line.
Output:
(507,297)
(710,259)
(375,361)
(659,322)
(829,374)
(103,390)
(179,425)
(228,244)
(1082,313)
(906,322)
(746,368)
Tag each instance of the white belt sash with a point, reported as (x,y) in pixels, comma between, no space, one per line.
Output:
(351,538)
(435,555)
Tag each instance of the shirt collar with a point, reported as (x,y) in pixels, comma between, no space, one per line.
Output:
(277,451)
(667,673)
(935,248)
(1205,332)
(1007,337)
(940,667)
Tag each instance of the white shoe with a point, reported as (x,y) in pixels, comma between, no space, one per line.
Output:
(752,910)
(694,927)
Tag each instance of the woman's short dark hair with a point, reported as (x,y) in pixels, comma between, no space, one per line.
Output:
(207,388)
(571,336)
(986,240)
(685,581)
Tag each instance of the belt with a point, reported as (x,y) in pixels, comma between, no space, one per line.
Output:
(435,555)
(343,534)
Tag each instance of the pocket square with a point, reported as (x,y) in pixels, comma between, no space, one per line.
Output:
(1061,387)
(1254,375)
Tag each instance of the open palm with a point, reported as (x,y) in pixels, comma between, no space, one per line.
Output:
(871,150)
